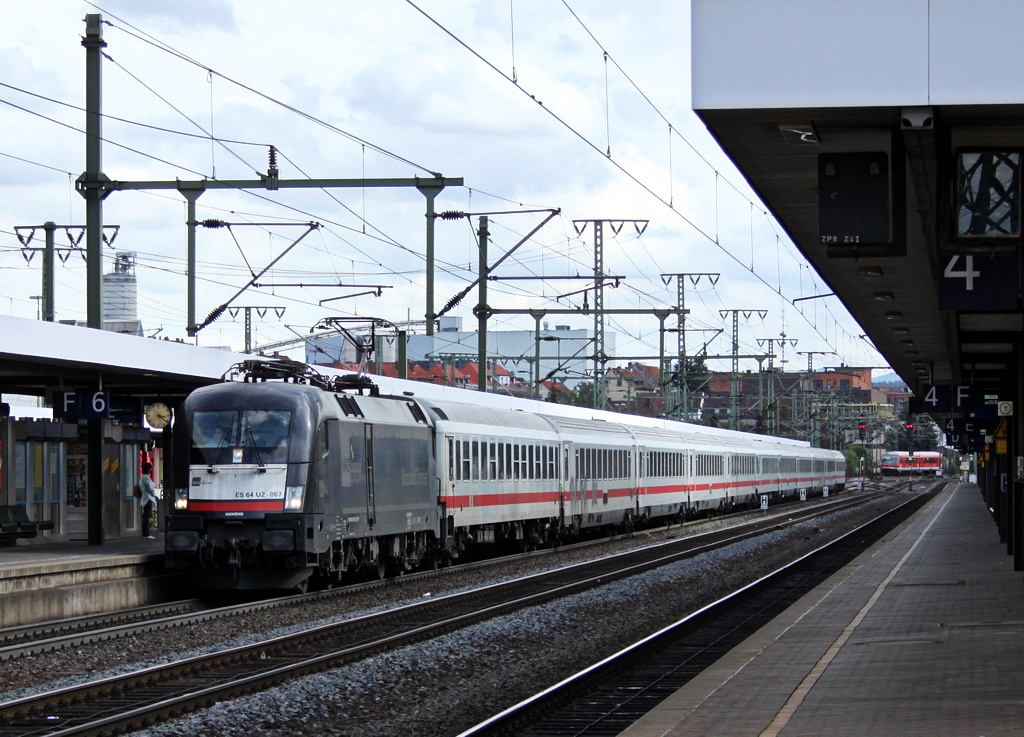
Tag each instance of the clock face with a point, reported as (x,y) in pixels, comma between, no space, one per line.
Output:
(158,414)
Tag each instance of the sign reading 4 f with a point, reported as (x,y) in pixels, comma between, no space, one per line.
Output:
(976,281)
(951,399)
(83,404)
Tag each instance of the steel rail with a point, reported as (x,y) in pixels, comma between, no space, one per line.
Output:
(606,697)
(139,699)
(43,637)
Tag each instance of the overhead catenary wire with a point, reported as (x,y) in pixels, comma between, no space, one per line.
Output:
(156,43)
(459,271)
(618,165)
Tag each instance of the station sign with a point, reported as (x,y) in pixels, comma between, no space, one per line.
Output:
(959,399)
(84,404)
(978,281)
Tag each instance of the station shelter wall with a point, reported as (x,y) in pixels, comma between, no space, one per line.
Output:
(44,467)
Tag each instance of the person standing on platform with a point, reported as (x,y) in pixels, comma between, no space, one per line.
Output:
(148,499)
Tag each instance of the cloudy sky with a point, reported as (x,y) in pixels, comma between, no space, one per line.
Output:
(536,104)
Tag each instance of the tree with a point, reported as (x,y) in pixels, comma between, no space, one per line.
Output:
(695,376)
(582,395)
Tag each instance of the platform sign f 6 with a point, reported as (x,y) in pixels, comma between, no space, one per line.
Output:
(83,404)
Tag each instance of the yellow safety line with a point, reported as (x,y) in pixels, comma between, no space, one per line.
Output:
(796,699)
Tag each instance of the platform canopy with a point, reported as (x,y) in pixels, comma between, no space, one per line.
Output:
(886,138)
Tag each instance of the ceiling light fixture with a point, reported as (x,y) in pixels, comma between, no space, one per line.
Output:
(885,296)
(894,315)
(870,272)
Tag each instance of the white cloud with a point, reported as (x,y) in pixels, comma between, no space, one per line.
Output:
(387,75)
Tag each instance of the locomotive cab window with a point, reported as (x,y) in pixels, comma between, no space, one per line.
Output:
(240,436)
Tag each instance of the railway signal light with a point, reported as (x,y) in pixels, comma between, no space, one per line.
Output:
(861,429)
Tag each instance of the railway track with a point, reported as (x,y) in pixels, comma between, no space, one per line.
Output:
(43,637)
(610,696)
(142,698)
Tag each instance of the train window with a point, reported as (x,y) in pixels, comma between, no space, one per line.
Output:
(466,461)
(493,462)
(529,462)
(501,461)
(475,464)
(515,462)
(321,441)
(451,459)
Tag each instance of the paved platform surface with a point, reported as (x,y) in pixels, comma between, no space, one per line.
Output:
(26,558)
(921,635)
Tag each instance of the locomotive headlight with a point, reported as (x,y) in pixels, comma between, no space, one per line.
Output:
(181,498)
(293,497)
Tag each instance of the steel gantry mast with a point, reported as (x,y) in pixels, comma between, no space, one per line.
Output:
(734,393)
(94,186)
(600,356)
(683,369)
(773,410)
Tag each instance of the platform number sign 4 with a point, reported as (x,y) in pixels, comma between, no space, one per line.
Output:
(970,282)
(968,274)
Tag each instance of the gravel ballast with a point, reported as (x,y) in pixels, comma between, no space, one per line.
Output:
(442,687)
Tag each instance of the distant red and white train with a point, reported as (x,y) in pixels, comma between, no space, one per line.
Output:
(904,463)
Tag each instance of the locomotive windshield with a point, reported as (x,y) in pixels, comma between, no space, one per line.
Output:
(256,436)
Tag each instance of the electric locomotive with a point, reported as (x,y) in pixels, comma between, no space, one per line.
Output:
(278,481)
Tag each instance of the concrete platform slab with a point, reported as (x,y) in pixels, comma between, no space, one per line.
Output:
(47,581)
(921,635)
